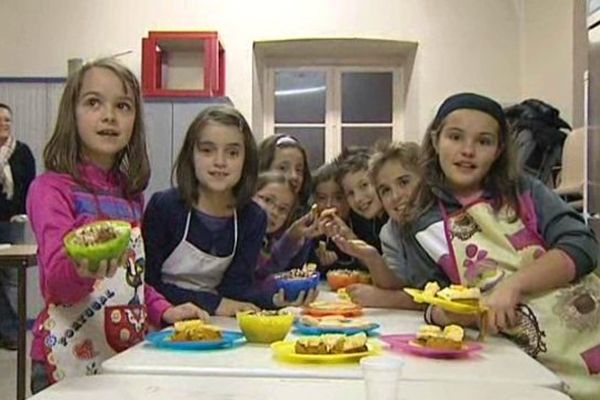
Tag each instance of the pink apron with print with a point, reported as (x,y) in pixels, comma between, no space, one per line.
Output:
(112,318)
(485,248)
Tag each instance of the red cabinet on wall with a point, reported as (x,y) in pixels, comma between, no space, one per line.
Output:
(183,64)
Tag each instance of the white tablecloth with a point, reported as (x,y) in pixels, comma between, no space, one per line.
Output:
(146,387)
(499,361)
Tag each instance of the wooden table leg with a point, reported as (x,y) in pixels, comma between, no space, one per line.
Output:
(22,340)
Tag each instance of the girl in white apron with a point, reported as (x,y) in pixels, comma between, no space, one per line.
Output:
(485,226)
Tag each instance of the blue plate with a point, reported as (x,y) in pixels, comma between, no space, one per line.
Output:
(314,330)
(162,340)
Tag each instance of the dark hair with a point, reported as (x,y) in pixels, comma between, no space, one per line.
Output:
(6,107)
(62,152)
(266,155)
(501,181)
(407,153)
(352,160)
(324,173)
(184,175)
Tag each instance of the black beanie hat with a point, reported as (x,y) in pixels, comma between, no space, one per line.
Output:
(471,101)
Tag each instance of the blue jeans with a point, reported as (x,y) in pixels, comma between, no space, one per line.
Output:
(39,377)
(9,322)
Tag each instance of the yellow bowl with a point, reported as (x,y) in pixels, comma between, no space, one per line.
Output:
(264,328)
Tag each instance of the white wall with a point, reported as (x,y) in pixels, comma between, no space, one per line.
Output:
(505,48)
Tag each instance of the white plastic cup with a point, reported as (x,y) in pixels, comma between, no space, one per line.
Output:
(382,375)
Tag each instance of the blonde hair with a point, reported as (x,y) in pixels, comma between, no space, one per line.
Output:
(407,153)
(63,152)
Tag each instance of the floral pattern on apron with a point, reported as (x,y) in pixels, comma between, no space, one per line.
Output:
(484,247)
(112,318)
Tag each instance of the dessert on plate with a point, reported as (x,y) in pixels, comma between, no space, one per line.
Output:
(331,344)
(195,330)
(449,338)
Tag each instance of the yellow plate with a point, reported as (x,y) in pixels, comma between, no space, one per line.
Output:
(285,350)
(420,297)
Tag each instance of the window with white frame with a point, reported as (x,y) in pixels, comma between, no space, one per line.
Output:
(328,108)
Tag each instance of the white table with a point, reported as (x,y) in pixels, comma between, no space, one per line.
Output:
(146,387)
(499,361)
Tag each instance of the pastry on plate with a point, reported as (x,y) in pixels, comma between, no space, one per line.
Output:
(449,338)
(195,330)
(331,344)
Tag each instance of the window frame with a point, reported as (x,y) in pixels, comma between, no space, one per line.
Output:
(333,101)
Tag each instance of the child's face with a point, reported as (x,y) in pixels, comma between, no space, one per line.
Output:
(290,162)
(277,200)
(360,194)
(219,157)
(329,194)
(105,115)
(467,147)
(394,185)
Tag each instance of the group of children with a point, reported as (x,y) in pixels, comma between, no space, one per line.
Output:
(454,210)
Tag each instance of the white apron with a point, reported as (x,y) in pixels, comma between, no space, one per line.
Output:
(190,268)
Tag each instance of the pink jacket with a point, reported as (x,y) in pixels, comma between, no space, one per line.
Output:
(56,204)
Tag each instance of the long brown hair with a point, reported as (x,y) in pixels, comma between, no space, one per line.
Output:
(63,152)
(501,181)
(184,175)
(266,155)
(406,153)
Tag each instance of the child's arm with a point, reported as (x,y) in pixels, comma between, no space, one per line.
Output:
(572,254)
(50,212)
(161,311)
(279,257)
(238,280)
(381,275)
(372,296)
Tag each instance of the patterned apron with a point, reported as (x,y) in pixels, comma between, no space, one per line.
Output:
(112,318)
(486,248)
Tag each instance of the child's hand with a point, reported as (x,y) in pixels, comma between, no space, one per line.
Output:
(106,268)
(332,225)
(228,307)
(305,227)
(355,247)
(502,304)
(182,312)
(303,298)
(326,257)
(367,295)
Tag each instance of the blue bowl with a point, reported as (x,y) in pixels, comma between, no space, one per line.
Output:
(293,286)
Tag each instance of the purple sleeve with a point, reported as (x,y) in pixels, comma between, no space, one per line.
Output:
(156,305)
(50,211)
(278,258)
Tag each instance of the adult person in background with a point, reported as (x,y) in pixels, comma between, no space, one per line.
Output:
(17,170)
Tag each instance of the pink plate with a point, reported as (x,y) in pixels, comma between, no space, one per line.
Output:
(406,343)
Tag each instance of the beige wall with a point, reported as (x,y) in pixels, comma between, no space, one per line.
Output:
(473,45)
(554,54)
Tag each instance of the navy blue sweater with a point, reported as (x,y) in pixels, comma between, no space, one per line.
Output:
(163,228)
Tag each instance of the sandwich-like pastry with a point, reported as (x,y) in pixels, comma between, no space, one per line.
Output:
(461,294)
(450,338)
(195,330)
(331,344)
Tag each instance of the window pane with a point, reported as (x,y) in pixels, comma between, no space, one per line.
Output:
(313,141)
(299,97)
(367,97)
(365,136)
